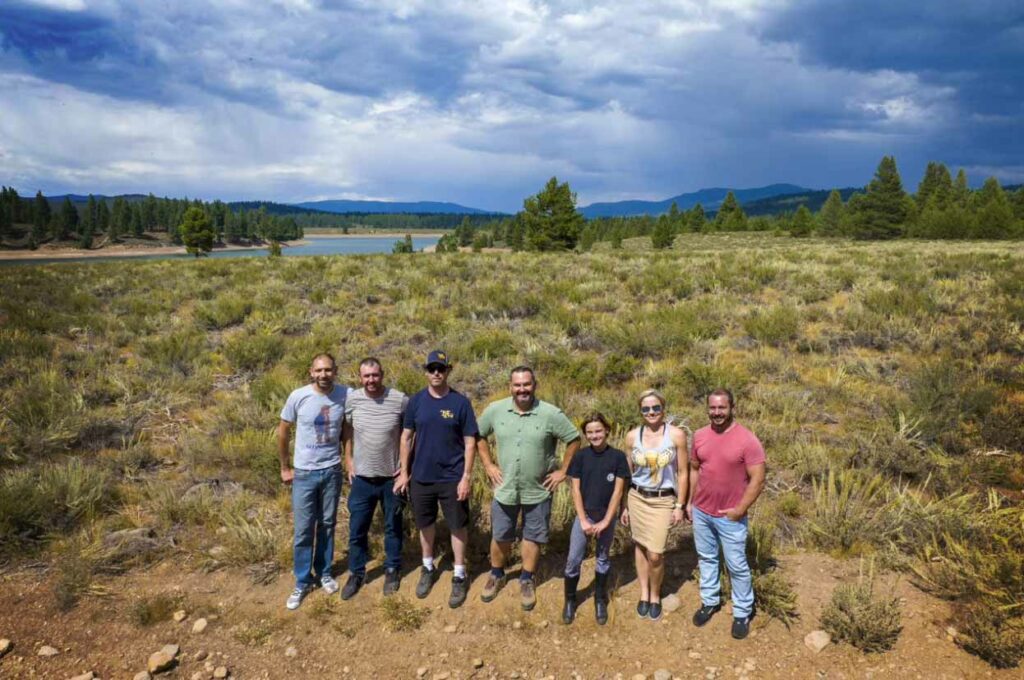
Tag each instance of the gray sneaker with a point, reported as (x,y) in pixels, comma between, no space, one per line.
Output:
(295,599)
(460,587)
(426,582)
(492,587)
(527,594)
(329,585)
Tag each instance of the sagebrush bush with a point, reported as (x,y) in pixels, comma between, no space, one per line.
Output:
(854,615)
(400,615)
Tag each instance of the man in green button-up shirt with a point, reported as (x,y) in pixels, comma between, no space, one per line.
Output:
(526,431)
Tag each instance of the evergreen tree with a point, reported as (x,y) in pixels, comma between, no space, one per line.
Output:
(6,218)
(464,232)
(449,243)
(587,238)
(102,216)
(993,212)
(696,220)
(616,238)
(40,219)
(961,194)
(1017,201)
(196,232)
(663,234)
(550,218)
(802,224)
(676,219)
(830,217)
(936,182)
(68,222)
(138,228)
(730,215)
(884,210)
(403,246)
(149,213)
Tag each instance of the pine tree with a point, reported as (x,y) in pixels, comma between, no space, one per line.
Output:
(802,224)
(6,219)
(550,218)
(87,227)
(464,232)
(830,217)
(663,234)
(676,219)
(961,194)
(696,220)
(730,215)
(138,228)
(40,219)
(993,212)
(68,222)
(196,232)
(403,246)
(936,182)
(884,211)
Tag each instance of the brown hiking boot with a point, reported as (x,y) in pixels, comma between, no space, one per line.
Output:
(491,588)
(527,594)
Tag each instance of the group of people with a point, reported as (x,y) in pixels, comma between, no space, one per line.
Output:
(422,449)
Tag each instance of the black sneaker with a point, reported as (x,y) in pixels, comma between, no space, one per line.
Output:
(643,607)
(427,578)
(655,611)
(352,586)
(740,627)
(392,579)
(704,614)
(460,587)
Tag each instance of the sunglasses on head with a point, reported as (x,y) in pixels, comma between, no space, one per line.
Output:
(437,368)
(650,409)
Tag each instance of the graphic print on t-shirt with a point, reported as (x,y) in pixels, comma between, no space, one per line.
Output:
(322,423)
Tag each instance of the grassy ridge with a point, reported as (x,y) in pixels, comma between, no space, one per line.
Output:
(884,379)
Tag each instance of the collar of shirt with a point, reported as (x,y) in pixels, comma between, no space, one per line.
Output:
(533,407)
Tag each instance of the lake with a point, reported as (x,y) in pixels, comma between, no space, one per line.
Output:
(315,245)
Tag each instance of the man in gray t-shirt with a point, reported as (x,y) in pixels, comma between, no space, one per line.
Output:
(373,416)
(317,412)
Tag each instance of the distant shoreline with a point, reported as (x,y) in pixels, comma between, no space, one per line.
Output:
(62,253)
(397,235)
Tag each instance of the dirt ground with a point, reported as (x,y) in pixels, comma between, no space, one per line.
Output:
(252,634)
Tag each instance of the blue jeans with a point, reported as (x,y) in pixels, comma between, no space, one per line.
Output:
(315,507)
(710,533)
(578,547)
(366,493)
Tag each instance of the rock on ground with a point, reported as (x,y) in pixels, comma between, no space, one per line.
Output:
(5,646)
(180,615)
(671,603)
(143,675)
(47,650)
(817,640)
(85,676)
(199,626)
(128,544)
(220,672)
(662,674)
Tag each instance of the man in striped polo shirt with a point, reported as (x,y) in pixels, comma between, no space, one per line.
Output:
(373,416)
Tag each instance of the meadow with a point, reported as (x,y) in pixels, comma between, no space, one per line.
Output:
(884,379)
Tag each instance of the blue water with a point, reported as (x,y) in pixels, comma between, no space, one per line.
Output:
(352,245)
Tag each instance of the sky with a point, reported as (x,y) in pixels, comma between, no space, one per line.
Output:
(481,101)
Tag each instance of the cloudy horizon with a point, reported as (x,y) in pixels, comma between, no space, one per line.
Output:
(478,103)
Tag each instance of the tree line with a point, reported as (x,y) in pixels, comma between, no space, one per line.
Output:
(118,218)
(942,208)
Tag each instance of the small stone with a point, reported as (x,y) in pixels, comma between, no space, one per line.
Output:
(951,632)
(514,674)
(199,626)
(517,625)
(749,665)
(143,675)
(200,675)
(180,615)
(694,655)
(220,672)
(639,676)
(47,650)
(671,603)
(817,640)
(85,676)
(442,676)
(662,674)
(159,662)
(478,663)
(545,623)
(200,655)
(443,655)
(291,652)
(421,672)
(5,646)
(451,628)
(171,650)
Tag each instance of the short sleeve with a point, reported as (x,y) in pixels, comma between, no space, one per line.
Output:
(621,466)
(405,404)
(349,408)
(575,466)
(290,411)
(563,428)
(469,426)
(753,451)
(409,420)
(486,424)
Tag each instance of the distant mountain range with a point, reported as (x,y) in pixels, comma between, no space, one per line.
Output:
(420,207)
(710,199)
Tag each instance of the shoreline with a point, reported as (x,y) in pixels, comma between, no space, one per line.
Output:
(62,253)
(397,236)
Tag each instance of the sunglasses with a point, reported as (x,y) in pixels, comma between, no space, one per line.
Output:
(650,409)
(436,368)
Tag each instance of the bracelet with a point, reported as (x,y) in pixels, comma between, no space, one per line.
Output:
(677,506)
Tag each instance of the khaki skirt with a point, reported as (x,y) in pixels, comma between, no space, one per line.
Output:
(649,520)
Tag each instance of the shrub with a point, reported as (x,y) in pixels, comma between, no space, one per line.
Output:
(849,515)
(992,633)
(41,414)
(775,596)
(775,326)
(177,351)
(853,615)
(400,614)
(227,310)
(151,609)
(253,351)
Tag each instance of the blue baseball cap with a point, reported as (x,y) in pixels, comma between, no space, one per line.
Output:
(437,357)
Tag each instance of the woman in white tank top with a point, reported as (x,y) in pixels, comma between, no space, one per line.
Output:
(657,495)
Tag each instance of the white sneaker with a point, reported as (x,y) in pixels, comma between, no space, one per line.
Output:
(295,599)
(329,585)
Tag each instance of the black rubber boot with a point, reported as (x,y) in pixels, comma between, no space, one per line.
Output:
(601,598)
(569,611)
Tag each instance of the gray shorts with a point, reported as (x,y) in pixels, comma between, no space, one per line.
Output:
(536,518)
